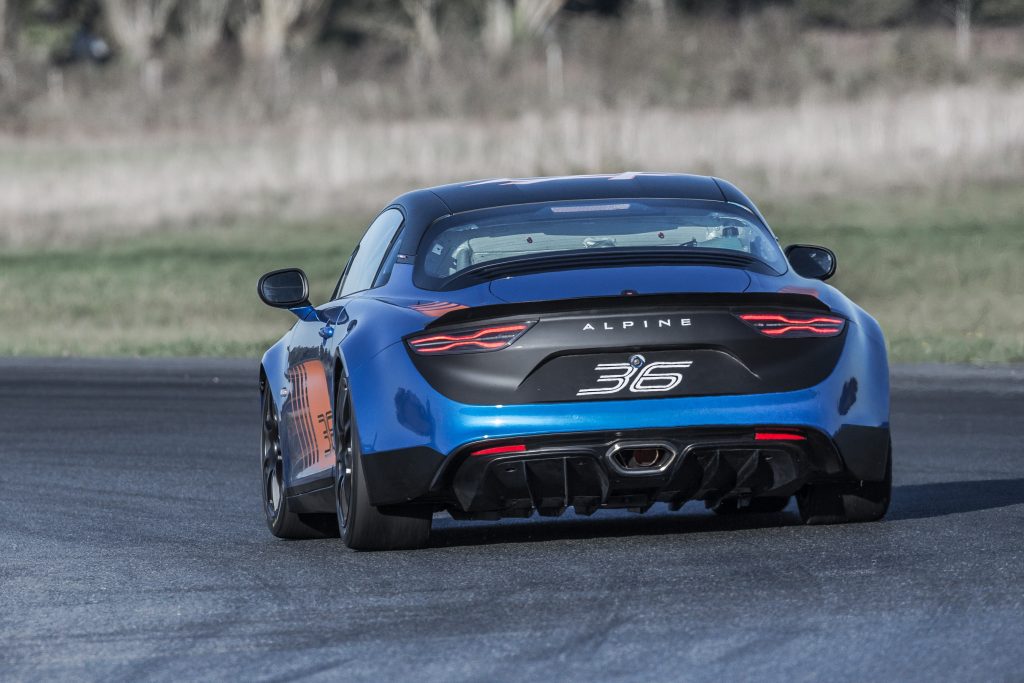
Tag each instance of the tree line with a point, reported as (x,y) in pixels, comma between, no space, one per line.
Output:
(263,31)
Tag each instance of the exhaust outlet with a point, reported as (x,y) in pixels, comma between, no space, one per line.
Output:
(632,458)
(642,457)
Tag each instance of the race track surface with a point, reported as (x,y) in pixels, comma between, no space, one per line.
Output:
(132,547)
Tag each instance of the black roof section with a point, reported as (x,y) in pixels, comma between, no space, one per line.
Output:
(423,207)
(505,191)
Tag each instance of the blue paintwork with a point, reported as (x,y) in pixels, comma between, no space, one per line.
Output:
(397,409)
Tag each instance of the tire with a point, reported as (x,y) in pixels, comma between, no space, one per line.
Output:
(361,525)
(756,506)
(839,504)
(281,520)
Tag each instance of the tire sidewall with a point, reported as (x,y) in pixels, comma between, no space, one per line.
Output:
(358,486)
(274,521)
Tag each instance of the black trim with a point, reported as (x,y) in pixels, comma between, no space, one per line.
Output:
(619,257)
(313,484)
(399,476)
(865,450)
(317,501)
(711,465)
(644,303)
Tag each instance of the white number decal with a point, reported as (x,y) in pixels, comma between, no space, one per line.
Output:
(617,381)
(649,380)
(653,378)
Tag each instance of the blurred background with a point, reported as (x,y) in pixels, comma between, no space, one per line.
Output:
(156,156)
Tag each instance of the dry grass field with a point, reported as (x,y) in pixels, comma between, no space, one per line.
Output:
(69,187)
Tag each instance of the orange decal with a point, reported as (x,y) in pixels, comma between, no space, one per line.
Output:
(313,419)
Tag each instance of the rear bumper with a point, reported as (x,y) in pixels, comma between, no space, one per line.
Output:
(584,470)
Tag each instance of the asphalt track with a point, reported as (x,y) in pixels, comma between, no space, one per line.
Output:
(132,547)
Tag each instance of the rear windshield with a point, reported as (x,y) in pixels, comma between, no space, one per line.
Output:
(459,243)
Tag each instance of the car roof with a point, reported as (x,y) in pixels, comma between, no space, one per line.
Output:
(480,194)
(425,206)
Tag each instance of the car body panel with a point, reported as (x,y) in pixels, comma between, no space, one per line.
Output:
(406,421)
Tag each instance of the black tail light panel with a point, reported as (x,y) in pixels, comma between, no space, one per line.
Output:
(643,353)
(793,325)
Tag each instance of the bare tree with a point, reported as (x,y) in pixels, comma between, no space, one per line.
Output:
(506,21)
(959,12)
(498,28)
(534,16)
(265,26)
(414,26)
(202,23)
(962,21)
(658,9)
(4,4)
(424,24)
(8,33)
(138,25)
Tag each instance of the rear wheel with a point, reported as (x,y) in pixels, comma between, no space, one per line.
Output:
(282,521)
(838,504)
(754,506)
(363,526)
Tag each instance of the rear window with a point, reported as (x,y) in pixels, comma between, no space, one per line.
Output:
(458,244)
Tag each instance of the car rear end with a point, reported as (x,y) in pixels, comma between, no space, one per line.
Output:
(617,354)
(627,401)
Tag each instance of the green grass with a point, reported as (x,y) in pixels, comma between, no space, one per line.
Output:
(176,293)
(943,274)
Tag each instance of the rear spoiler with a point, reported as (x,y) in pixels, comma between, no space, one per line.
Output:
(594,305)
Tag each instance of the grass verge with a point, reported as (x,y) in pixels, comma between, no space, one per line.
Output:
(944,274)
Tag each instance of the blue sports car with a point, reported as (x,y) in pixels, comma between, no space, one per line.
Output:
(500,347)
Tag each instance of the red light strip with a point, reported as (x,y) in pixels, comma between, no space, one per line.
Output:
(515,448)
(486,339)
(753,317)
(455,345)
(778,436)
(470,337)
(799,328)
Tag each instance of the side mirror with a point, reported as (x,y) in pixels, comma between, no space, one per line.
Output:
(285,288)
(817,263)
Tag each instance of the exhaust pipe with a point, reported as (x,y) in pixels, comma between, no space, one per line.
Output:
(643,457)
(638,458)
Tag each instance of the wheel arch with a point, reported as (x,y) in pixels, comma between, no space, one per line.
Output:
(273,372)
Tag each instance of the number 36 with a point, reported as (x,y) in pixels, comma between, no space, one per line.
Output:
(653,377)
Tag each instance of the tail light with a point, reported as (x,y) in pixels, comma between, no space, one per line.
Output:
(497,450)
(489,338)
(790,325)
(778,436)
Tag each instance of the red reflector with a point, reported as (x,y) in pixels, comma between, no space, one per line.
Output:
(778,436)
(515,448)
(485,339)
